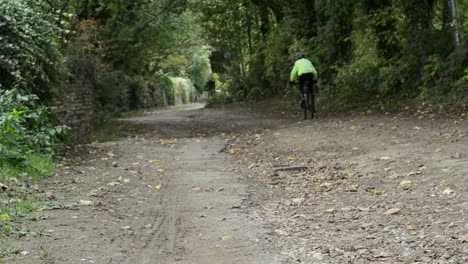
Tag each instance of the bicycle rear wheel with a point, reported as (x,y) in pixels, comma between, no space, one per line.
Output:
(306,104)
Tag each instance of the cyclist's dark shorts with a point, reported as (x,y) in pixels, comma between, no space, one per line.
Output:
(308,79)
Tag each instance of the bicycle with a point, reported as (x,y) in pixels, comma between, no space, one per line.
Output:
(308,99)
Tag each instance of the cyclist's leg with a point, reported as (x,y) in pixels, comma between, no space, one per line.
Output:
(312,96)
(300,84)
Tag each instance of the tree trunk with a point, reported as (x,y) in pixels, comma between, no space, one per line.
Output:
(454,22)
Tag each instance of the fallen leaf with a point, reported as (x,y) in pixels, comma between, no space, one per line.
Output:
(414,173)
(385,158)
(291,158)
(51,206)
(463,238)
(445,169)
(96,192)
(392,211)
(411,227)
(113,183)
(227,237)
(406,185)
(126,180)
(325,185)
(155,161)
(331,220)
(234,151)
(298,201)
(85,202)
(281,232)
(157,187)
(447,191)
(50,195)
(461,136)
(377,192)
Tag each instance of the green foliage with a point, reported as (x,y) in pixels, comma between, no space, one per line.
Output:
(29,52)
(6,251)
(200,69)
(184,90)
(34,166)
(113,90)
(358,80)
(167,86)
(365,51)
(26,129)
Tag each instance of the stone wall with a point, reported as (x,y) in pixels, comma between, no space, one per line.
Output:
(77,109)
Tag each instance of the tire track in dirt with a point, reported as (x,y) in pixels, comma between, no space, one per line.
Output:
(196,216)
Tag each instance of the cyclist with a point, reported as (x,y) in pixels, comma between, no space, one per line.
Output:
(305,72)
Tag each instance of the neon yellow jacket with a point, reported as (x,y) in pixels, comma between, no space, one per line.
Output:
(303,66)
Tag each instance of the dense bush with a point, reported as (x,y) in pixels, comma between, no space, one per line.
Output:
(364,51)
(26,128)
(113,91)
(357,82)
(29,52)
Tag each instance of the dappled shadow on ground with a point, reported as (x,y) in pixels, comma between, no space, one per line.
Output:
(203,122)
(377,188)
(366,188)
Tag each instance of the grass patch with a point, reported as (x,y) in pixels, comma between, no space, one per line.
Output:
(12,208)
(34,166)
(6,251)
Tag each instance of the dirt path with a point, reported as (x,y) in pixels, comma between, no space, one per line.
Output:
(163,197)
(194,185)
(379,188)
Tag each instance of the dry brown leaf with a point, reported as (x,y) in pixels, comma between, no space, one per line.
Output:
(414,173)
(463,238)
(393,211)
(281,232)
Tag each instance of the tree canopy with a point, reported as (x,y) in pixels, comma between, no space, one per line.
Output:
(365,51)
